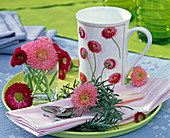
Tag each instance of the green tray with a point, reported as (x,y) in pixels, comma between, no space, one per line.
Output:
(123,129)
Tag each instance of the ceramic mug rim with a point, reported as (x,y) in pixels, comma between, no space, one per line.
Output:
(125,14)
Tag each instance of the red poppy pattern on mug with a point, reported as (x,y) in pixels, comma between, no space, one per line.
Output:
(95,47)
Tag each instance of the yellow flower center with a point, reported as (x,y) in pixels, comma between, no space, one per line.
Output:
(41,56)
(84,98)
(18,97)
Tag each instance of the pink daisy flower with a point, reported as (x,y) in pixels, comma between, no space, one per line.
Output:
(45,39)
(110,63)
(138,76)
(18,95)
(41,54)
(84,96)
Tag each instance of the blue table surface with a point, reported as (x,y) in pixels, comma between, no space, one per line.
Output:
(158,127)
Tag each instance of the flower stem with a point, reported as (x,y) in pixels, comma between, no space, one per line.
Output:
(47,91)
(91,68)
(94,62)
(34,91)
(75,66)
(53,78)
(72,71)
(117,47)
(102,73)
(30,82)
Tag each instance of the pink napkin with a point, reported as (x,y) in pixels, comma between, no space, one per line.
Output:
(32,119)
(154,92)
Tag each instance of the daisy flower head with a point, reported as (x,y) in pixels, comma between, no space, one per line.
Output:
(18,95)
(137,117)
(64,60)
(94,46)
(41,54)
(109,32)
(45,39)
(56,47)
(62,74)
(19,57)
(138,76)
(84,96)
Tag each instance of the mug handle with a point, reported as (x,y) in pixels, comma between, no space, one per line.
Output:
(149,42)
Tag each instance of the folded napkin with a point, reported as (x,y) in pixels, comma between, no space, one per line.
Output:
(32,119)
(4,31)
(155,92)
(12,25)
(32,33)
(13,34)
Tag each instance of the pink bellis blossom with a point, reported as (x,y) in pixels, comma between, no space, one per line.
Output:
(84,96)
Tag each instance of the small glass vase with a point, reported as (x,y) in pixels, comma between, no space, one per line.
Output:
(44,85)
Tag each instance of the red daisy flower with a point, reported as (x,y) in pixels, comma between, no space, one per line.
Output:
(109,32)
(62,74)
(64,61)
(114,78)
(94,46)
(64,58)
(83,53)
(137,116)
(18,95)
(110,63)
(19,57)
(83,78)
(56,47)
(81,32)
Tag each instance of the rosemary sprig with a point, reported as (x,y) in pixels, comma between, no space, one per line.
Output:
(67,90)
(107,111)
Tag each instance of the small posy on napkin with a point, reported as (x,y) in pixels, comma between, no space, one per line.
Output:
(147,98)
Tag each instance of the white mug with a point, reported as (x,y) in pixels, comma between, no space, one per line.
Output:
(103,34)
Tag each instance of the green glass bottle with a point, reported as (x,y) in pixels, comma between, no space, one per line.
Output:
(125,4)
(155,16)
